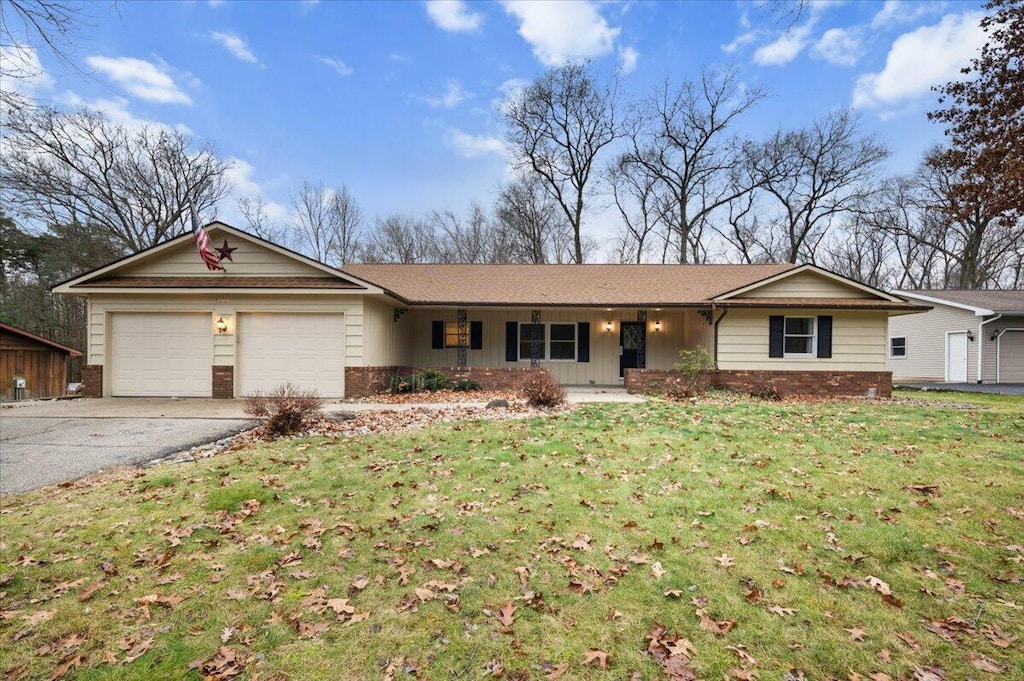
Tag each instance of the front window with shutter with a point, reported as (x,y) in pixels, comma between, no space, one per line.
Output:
(799,337)
(451,335)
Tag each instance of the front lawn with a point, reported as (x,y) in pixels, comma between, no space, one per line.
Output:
(727,537)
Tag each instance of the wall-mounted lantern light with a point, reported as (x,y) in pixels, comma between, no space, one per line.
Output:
(607,327)
(221,326)
(970,335)
(657,326)
(995,334)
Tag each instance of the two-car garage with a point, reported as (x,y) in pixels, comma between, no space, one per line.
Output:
(171,354)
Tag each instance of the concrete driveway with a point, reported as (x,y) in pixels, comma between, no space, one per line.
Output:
(991,388)
(44,443)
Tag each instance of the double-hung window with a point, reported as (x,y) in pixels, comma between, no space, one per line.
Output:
(898,347)
(551,341)
(798,340)
(451,335)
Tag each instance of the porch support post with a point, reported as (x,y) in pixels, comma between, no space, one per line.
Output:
(536,345)
(463,338)
(641,348)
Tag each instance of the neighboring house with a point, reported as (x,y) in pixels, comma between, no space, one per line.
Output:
(161,324)
(968,336)
(31,366)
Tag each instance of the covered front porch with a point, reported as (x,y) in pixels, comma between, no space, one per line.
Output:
(579,346)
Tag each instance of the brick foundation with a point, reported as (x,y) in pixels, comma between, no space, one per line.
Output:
(781,383)
(92,380)
(367,381)
(223,382)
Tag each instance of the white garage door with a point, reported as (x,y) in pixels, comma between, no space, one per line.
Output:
(1011,357)
(161,354)
(306,350)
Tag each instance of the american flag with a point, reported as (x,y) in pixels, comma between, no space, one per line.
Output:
(203,242)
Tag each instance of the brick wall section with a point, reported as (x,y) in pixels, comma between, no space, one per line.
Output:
(92,380)
(367,381)
(782,383)
(223,382)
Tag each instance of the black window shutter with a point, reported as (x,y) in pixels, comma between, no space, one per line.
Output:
(825,336)
(511,341)
(583,342)
(476,335)
(776,333)
(437,335)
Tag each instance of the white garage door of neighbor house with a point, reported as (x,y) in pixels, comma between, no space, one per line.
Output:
(161,354)
(1011,357)
(306,350)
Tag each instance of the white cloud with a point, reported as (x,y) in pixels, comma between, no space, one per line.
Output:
(341,67)
(474,146)
(235,45)
(628,58)
(452,97)
(917,60)
(117,109)
(141,78)
(895,12)
(23,72)
(839,46)
(453,16)
(739,41)
(562,30)
(784,49)
(241,174)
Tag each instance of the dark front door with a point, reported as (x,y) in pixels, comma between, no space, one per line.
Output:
(631,339)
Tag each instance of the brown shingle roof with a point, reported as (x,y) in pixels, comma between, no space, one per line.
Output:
(562,285)
(221,282)
(998,301)
(39,339)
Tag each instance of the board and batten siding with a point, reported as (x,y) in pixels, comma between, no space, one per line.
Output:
(249,259)
(680,328)
(384,343)
(101,307)
(805,285)
(858,341)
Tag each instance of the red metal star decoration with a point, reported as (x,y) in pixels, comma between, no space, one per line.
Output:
(225,251)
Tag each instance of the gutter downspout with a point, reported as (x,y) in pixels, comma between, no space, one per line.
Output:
(981,346)
(717,321)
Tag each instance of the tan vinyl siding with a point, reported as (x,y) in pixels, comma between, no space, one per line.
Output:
(806,285)
(250,259)
(383,336)
(1009,372)
(926,343)
(858,341)
(678,327)
(102,306)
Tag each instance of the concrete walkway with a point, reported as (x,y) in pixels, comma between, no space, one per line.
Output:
(990,388)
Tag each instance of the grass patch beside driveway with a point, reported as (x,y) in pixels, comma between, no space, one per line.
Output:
(831,538)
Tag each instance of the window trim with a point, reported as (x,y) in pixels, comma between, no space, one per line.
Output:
(904,355)
(813,352)
(547,341)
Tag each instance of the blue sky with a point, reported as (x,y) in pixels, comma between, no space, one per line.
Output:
(397,99)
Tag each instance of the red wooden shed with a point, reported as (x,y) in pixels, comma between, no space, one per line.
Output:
(41,363)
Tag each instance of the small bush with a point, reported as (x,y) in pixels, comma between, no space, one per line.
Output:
(403,384)
(543,390)
(283,409)
(432,380)
(693,367)
(465,385)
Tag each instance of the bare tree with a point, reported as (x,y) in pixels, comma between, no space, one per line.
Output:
(681,140)
(816,175)
(80,167)
(399,238)
(474,240)
(861,252)
(635,193)
(327,222)
(259,222)
(557,127)
(531,220)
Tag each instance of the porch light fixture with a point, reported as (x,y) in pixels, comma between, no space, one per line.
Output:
(607,327)
(657,326)
(970,335)
(995,334)
(221,325)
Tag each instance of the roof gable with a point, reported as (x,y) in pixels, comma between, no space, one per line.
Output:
(808,281)
(254,263)
(22,333)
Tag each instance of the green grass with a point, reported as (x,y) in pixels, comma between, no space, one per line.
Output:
(800,496)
